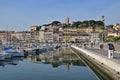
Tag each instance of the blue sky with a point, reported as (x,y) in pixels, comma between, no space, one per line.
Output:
(21,14)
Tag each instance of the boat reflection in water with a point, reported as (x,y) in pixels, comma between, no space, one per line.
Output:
(57,58)
(12,61)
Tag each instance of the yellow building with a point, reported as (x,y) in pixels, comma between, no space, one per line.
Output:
(34,28)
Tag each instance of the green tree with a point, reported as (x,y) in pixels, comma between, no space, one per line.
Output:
(56,23)
(76,24)
(66,26)
(116,39)
(45,24)
(99,23)
(85,23)
(110,38)
(113,39)
(92,22)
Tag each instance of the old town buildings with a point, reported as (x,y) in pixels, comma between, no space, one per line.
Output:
(61,32)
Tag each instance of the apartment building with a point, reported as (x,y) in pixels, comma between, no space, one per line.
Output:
(74,36)
(45,36)
(5,36)
(21,36)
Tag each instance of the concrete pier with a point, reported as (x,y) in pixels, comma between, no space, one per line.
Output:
(101,57)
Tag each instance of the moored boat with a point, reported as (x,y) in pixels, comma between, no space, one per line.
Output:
(9,53)
(15,53)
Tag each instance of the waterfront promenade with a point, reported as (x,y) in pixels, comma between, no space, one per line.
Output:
(101,56)
(105,47)
(104,52)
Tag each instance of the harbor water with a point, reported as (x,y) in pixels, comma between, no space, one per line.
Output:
(60,64)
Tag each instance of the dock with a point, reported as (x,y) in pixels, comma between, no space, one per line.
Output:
(111,65)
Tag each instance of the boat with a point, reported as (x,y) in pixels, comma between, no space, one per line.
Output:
(11,52)
(3,52)
(15,52)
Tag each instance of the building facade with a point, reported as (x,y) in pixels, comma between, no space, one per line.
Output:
(45,36)
(5,36)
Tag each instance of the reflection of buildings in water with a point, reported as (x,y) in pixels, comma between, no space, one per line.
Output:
(57,58)
(57,53)
(67,66)
(46,57)
(78,63)
(45,60)
(74,63)
(70,56)
(43,57)
(56,64)
(33,58)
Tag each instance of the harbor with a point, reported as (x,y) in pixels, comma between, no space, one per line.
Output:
(59,40)
(62,62)
(59,64)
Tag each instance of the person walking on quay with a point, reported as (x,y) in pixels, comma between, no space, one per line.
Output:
(111,50)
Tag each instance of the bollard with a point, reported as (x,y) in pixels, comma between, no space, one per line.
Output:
(110,53)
